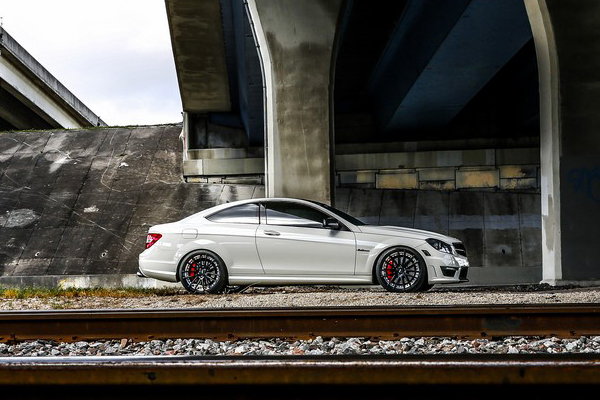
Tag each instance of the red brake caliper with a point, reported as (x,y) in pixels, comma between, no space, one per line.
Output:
(389,270)
(193,270)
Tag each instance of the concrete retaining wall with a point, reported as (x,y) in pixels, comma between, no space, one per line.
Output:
(79,203)
(502,231)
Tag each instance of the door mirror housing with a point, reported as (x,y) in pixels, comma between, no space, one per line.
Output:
(332,223)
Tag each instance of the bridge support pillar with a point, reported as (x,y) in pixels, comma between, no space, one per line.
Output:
(296,40)
(566,35)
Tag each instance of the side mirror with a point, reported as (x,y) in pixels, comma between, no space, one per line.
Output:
(332,223)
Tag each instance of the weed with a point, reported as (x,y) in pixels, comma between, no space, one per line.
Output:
(73,293)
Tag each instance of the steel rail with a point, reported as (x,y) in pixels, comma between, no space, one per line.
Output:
(564,320)
(353,370)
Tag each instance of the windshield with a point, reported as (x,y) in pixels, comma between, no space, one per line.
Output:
(341,214)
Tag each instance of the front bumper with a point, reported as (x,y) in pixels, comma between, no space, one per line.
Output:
(446,268)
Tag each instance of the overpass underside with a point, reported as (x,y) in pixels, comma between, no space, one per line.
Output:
(461,103)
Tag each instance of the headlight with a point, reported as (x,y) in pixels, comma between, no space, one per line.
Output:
(440,246)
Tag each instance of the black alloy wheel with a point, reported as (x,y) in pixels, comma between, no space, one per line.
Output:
(203,271)
(400,269)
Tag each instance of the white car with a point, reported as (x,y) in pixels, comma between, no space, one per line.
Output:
(281,241)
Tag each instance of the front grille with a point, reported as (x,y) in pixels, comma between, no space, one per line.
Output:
(463,273)
(460,248)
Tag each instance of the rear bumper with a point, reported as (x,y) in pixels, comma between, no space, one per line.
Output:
(161,270)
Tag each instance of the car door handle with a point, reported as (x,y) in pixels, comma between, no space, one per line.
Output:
(272,233)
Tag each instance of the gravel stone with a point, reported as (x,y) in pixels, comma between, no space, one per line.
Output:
(320,346)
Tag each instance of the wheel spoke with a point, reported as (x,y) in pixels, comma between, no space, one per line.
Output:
(396,277)
(209,273)
(202,272)
(400,270)
(195,282)
(406,282)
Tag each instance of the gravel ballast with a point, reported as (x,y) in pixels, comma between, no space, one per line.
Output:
(312,347)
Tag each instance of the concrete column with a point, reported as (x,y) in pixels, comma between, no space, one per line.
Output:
(545,47)
(566,35)
(295,41)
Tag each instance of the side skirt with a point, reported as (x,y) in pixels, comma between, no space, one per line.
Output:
(301,280)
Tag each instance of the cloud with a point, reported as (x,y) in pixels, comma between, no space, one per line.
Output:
(114,55)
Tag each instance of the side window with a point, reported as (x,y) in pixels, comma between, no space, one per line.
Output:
(243,214)
(291,214)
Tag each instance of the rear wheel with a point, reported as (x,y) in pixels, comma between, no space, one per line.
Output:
(401,269)
(203,271)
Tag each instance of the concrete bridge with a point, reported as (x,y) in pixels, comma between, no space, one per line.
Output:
(32,98)
(474,118)
(464,95)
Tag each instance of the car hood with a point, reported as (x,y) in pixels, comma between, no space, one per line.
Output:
(404,232)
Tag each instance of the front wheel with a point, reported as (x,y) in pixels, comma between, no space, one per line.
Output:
(400,269)
(203,271)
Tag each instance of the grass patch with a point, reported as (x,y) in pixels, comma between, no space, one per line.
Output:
(32,292)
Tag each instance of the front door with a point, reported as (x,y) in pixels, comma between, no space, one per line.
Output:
(292,240)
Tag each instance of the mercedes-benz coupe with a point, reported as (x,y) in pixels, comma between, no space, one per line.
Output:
(280,241)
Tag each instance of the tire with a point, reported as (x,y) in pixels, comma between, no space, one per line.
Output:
(203,271)
(402,270)
(425,287)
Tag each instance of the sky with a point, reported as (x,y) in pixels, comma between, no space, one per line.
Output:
(114,55)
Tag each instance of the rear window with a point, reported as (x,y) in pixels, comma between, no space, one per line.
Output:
(242,214)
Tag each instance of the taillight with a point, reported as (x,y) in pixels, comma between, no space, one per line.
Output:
(152,238)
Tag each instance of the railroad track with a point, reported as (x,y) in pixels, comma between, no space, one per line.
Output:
(304,370)
(565,320)
(315,377)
